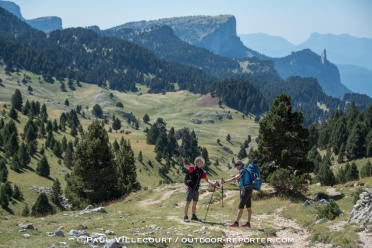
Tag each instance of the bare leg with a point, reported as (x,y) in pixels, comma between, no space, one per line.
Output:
(193,209)
(187,207)
(240,212)
(249,210)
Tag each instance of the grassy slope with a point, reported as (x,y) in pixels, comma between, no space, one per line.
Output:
(176,109)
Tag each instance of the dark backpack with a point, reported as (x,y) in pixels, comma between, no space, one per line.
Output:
(193,179)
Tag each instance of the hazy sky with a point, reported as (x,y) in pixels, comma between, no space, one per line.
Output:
(293,20)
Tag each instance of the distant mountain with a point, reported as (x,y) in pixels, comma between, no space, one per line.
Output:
(306,63)
(215,33)
(269,45)
(45,24)
(342,49)
(162,41)
(356,78)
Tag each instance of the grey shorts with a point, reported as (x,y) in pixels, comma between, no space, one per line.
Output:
(192,195)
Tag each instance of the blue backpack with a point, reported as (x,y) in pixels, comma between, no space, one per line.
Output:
(245,180)
(254,175)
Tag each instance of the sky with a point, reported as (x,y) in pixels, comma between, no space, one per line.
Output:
(294,20)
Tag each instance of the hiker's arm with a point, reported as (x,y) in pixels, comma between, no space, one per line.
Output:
(184,162)
(232,179)
(211,182)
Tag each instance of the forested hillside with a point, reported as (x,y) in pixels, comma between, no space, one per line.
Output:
(84,55)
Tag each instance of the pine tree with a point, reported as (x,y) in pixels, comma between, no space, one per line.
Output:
(67,103)
(17,193)
(68,159)
(43,168)
(24,157)
(4,198)
(172,142)
(355,146)
(42,206)
(25,211)
(205,155)
(369,144)
(8,189)
(64,143)
(55,125)
(115,146)
(146,118)
(116,125)
(325,175)
(352,173)
(15,164)
(366,170)
(13,113)
(152,135)
(17,100)
(97,111)
(56,191)
(140,158)
(341,154)
(228,137)
(11,146)
(282,138)
(313,135)
(126,170)
(3,171)
(242,153)
(93,154)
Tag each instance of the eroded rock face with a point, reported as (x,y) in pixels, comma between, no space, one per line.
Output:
(362,211)
(46,24)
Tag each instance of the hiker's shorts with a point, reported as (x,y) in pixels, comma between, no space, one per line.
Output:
(245,197)
(192,195)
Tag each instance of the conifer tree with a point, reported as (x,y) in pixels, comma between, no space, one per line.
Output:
(325,175)
(25,211)
(68,159)
(242,153)
(115,146)
(32,147)
(172,142)
(366,170)
(355,146)
(55,125)
(17,193)
(42,206)
(8,188)
(17,100)
(3,171)
(43,168)
(282,138)
(57,150)
(351,116)
(205,155)
(4,198)
(313,135)
(67,103)
(369,144)
(146,118)
(140,157)
(152,134)
(13,113)
(116,125)
(341,154)
(161,143)
(15,164)
(126,170)
(24,157)
(56,188)
(228,137)
(64,143)
(352,173)
(93,154)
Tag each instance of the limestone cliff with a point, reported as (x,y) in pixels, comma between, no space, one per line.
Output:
(215,33)
(45,24)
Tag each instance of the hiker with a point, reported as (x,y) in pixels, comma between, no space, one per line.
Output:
(195,174)
(245,193)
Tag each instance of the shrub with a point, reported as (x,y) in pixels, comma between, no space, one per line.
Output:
(330,211)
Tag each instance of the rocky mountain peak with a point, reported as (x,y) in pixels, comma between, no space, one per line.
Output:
(323,57)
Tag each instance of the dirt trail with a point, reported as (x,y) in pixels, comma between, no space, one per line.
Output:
(285,229)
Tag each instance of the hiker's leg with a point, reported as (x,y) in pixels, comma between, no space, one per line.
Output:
(239,215)
(249,210)
(193,209)
(187,208)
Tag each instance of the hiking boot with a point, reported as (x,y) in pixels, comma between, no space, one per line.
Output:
(247,224)
(234,224)
(186,219)
(194,217)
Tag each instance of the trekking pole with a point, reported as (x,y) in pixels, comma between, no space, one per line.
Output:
(222,201)
(214,189)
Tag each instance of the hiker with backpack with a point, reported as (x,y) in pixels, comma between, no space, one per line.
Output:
(246,188)
(192,181)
